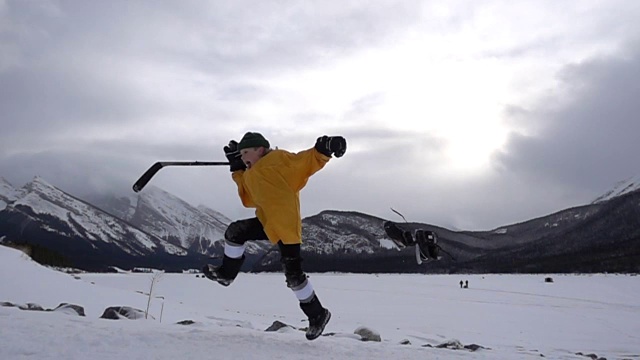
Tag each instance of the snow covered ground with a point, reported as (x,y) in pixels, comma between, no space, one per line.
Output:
(511,316)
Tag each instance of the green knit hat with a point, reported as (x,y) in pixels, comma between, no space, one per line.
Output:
(252,139)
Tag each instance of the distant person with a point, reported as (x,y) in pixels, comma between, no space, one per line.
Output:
(270,181)
(466,284)
(461,284)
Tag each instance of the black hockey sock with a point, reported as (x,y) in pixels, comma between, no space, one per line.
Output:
(312,308)
(230,267)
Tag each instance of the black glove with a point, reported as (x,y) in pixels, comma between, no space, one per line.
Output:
(233,155)
(328,145)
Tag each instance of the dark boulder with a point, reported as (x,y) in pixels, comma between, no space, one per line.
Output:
(277,325)
(186,322)
(70,309)
(122,312)
(31,306)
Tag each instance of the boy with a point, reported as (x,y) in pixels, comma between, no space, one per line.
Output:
(270,181)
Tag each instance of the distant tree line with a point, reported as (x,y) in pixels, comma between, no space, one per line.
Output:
(42,254)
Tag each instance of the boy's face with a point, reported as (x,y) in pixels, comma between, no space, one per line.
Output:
(250,156)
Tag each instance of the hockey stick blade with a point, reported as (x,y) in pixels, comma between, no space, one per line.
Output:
(146,177)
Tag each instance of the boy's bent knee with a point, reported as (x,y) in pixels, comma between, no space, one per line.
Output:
(233,232)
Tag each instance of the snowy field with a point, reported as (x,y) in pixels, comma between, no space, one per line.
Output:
(509,316)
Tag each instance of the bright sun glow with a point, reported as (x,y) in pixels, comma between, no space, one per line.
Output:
(458,100)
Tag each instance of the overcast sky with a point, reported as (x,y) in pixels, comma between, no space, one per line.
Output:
(464,114)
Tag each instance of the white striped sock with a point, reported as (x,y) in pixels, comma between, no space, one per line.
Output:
(305,293)
(233,250)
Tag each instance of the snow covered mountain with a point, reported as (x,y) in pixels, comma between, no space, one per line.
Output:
(198,229)
(356,242)
(42,214)
(344,232)
(602,236)
(8,193)
(623,187)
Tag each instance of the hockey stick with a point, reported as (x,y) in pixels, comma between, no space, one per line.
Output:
(397,212)
(144,179)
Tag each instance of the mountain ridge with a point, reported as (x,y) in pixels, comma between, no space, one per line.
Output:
(47,216)
(332,240)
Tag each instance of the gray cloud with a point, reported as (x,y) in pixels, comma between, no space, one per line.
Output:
(93,93)
(85,62)
(584,136)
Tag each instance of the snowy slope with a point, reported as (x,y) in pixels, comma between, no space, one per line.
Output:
(163,214)
(623,187)
(509,316)
(168,216)
(22,280)
(332,232)
(62,214)
(8,193)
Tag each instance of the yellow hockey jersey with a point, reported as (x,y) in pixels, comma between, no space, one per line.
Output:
(272,186)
